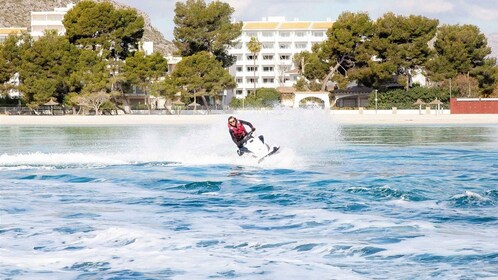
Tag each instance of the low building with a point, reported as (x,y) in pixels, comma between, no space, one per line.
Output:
(474,105)
(352,97)
(418,77)
(286,96)
(147,47)
(172,62)
(7,31)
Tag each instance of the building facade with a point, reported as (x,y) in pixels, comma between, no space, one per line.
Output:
(273,66)
(48,20)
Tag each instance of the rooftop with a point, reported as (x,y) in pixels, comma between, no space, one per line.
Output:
(12,30)
(279,23)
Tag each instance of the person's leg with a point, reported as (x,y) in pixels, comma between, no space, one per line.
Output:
(242,150)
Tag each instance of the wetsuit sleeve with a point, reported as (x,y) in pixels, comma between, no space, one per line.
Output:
(246,123)
(234,139)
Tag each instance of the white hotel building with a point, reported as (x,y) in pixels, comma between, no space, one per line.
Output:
(48,20)
(280,40)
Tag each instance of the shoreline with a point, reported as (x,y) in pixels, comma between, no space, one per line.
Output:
(344,118)
(408,119)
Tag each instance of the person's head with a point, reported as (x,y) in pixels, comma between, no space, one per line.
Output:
(232,120)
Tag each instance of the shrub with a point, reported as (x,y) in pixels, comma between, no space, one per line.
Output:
(402,99)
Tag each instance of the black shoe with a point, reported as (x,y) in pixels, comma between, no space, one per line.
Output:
(239,152)
(261,138)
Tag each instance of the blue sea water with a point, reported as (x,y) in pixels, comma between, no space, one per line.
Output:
(176,202)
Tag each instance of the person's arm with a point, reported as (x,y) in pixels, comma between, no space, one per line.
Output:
(234,139)
(248,124)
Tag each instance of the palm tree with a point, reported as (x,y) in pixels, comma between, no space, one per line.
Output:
(254,46)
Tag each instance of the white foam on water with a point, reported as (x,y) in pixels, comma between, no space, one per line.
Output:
(146,249)
(469,194)
(51,159)
(301,134)
(297,132)
(246,239)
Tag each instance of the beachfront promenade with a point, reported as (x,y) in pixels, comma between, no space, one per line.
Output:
(367,117)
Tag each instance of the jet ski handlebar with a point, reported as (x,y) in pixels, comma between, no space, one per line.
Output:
(247,137)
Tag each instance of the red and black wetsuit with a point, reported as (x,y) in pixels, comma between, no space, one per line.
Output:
(238,131)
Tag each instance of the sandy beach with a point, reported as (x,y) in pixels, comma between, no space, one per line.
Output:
(344,117)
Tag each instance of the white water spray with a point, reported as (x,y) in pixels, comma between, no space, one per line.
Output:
(301,134)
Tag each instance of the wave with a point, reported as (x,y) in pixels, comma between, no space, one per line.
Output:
(145,157)
(470,199)
(386,192)
(37,159)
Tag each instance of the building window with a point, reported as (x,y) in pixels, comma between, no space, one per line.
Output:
(284,57)
(284,34)
(268,80)
(284,45)
(239,80)
(300,33)
(252,57)
(267,68)
(268,57)
(238,57)
(250,80)
(239,69)
(267,34)
(239,92)
(252,68)
(301,45)
(318,33)
(251,34)
(268,45)
(37,17)
(238,46)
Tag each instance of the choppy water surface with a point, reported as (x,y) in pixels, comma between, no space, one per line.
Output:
(176,202)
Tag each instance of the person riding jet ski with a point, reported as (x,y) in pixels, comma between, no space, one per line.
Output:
(238,132)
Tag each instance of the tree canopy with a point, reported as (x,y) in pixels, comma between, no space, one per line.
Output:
(264,97)
(11,55)
(144,70)
(399,45)
(104,28)
(201,27)
(46,68)
(201,75)
(344,48)
(394,48)
(458,49)
(463,50)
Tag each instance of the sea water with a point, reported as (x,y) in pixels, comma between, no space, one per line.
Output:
(177,202)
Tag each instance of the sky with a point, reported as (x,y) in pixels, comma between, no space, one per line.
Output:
(482,13)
